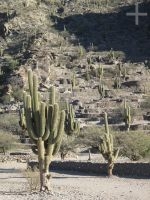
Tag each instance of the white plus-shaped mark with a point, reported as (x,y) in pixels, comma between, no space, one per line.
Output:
(137,14)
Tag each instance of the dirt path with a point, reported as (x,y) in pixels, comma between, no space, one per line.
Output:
(67,186)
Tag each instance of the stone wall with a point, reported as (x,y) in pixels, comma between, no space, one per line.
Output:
(121,169)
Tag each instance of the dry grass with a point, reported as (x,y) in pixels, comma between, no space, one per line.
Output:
(33,179)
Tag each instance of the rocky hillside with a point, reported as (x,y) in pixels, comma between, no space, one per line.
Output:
(67,43)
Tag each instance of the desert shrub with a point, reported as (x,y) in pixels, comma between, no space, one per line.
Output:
(9,123)
(11,65)
(90,136)
(134,145)
(146,103)
(5,99)
(18,94)
(68,144)
(8,141)
(33,179)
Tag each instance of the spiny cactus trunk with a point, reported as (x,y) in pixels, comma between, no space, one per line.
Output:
(44,175)
(40,145)
(110,168)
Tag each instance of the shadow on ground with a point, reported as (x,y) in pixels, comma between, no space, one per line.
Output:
(2,170)
(111,30)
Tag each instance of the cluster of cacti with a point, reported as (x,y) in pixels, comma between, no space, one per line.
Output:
(45,126)
(107,149)
(101,90)
(127,116)
(117,83)
(72,127)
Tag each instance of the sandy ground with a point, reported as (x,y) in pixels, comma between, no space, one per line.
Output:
(71,186)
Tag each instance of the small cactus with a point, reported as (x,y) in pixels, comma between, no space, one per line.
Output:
(100,72)
(117,83)
(120,69)
(87,75)
(124,72)
(73,81)
(101,90)
(127,116)
(107,149)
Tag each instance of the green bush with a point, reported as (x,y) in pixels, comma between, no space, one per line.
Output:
(5,99)
(11,65)
(134,145)
(9,123)
(18,94)
(146,103)
(8,141)
(91,136)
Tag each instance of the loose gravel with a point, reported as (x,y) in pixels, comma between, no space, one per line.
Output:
(71,186)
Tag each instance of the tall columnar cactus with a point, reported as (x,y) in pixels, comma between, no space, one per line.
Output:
(45,126)
(101,90)
(117,83)
(107,149)
(87,75)
(124,73)
(73,81)
(120,69)
(100,72)
(127,116)
(72,127)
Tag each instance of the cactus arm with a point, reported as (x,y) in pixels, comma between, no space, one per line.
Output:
(55,114)
(106,123)
(52,96)
(57,147)
(60,127)
(30,82)
(116,154)
(42,119)
(29,119)
(36,104)
(22,121)
(58,139)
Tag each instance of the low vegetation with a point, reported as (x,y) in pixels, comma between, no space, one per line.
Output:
(8,141)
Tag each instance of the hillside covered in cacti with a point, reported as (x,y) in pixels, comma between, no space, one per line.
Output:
(90,47)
